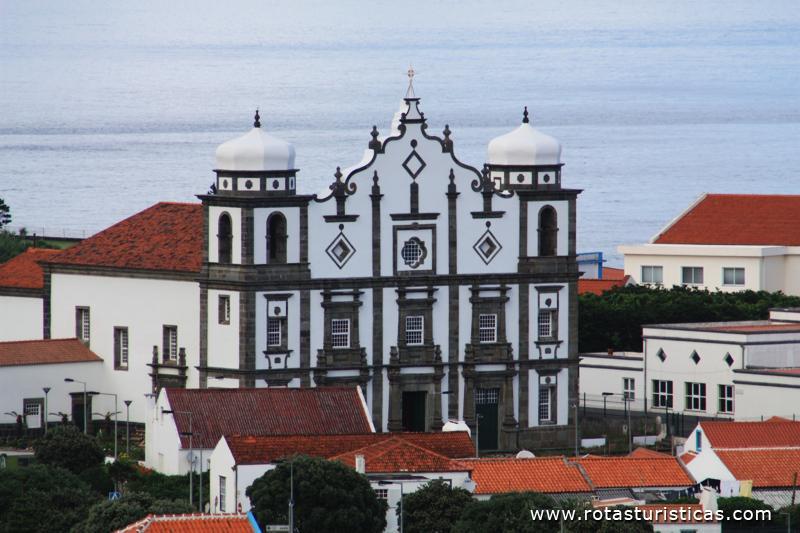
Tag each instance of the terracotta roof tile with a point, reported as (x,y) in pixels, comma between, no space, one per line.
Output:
(45,352)
(632,472)
(540,474)
(779,433)
(267,448)
(191,523)
(766,468)
(738,219)
(688,457)
(269,411)
(165,236)
(647,452)
(23,271)
(397,454)
(599,286)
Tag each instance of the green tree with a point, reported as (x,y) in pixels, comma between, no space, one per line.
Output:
(507,512)
(5,214)
(729,505)
(112,515)
(11,245)
(434,508)
(68,447)
(42,498)
(615,319)
(329,496)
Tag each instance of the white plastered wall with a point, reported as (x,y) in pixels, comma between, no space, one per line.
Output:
(20,318)
(214,213)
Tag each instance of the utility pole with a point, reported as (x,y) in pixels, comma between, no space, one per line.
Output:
(128,428)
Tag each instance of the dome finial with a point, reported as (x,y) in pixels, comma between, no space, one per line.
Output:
(257,121)
(410,91)
(525,116)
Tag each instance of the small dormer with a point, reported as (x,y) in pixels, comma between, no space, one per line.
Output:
(525,158)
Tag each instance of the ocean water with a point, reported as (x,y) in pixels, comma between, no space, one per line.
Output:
(108,107)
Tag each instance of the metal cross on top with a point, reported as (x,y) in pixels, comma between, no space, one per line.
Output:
(410,91)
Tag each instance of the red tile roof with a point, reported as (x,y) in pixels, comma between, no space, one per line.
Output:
(612,277)
(647,452)
(397,454)
(269,411)
(737,219)
(191,523)
(23,271)
(540,474)
(165,236)
(632,472)
(688,457)
(766,468)
(780,433)
(45,352)
(267,448)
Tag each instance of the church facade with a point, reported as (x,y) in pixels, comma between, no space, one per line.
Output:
(442,290)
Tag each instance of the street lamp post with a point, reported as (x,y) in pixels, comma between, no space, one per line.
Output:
(46,391)
(85,416)
(605,396)
(128,427)
(115,417)
(191,449)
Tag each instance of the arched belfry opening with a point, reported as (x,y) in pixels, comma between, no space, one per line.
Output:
(224,239)
(548,231)
(276,239)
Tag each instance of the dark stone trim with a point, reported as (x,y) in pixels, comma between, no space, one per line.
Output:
(711,330)
(761,384)
(20,292)
(247,334)
(46,301)
(617,357)
(247,239)
(256,201)
(549,195)
(611,367)
(305,335)
(117,272)
(414,216)
(376,196)
(487,214)
(523,228)
(431,250)
(713,341)
(203,336)
(523,348)
(256,173)
(340,218)
(377,358)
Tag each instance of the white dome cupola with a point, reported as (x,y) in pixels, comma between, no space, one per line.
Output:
(525,157)
(256,151)
(256,163)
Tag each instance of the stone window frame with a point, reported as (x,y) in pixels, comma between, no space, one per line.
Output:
(224,309)
(547,236)
(169,356)
(726,395)
(417,323)
(489,305)
(696,396)
(121,348)
(83,323)
(283,321)
(429,246)
(552,400)
(225,241)
(277,243)
(415,306)
(342,305)
(340,329)
(484,327)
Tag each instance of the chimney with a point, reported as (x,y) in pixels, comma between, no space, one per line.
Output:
(361,464)
(611,351)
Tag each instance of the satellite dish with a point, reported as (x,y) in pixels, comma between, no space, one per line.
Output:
(525,454)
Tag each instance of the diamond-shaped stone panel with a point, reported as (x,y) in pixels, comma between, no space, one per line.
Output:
(695,357)
(661,354)
(414,164)
(340,250)
(487,247)
(728,359)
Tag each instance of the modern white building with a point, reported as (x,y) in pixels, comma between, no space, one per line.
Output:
(726,242)
(736,370)
(184,425)
(394,463)
(758,459)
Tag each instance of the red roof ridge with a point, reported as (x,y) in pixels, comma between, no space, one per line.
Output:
(680,215)
(23,271)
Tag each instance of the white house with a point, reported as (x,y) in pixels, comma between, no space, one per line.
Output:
(184,425)
(27,368)
(393,462)
(443,290)
(737,370)
(727,242)
(761,459)
(22,295)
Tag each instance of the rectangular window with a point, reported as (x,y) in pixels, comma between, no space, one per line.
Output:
(274,332)
(82,324)
(695,396)
(662,393)
(653,274)
(414,330)
(340,332)
(726,399)
(545,405)
(487,328)
(733,276)
(224,308)
(121,348)
(382,494)
(628,388)
(547,324)
(170,347)
(692,275)
(31,407)
(223,492)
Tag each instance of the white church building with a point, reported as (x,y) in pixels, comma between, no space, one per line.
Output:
(443,290)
